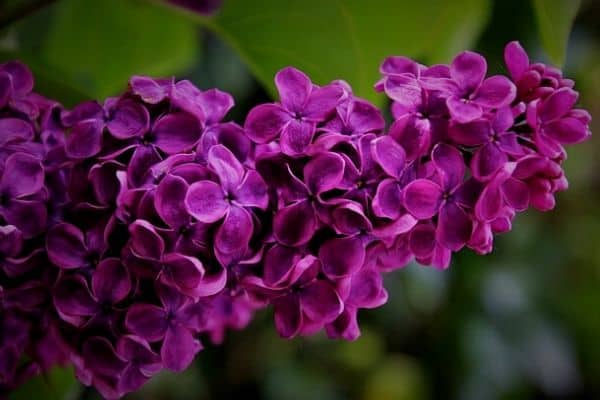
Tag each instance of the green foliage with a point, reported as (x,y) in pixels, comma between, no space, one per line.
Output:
(345,39)
(57,384)
(554,19)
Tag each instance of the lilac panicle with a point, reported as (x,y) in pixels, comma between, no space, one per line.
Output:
(159,225)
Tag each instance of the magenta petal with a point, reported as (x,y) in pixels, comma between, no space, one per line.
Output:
(405,90)
(23,175)
(463,111)
(85,139)
(176,132)
(179,348)
(320,302)
(149,90)
(288,316)
(295,224)
(468,70)
(103,178)
(454,227)
(278,264)
(229,170)
(143,158)
(487,160)
(422,240)
(367,289)
(496,92)
(146,321)
(264,122)
(72,297)
(324,172)
(387,202)
(349,218)
(110,281)
(235,232)
(296,136)
(29,216)
(365,117)
(567,131)
(211,283)
(516,194)
(449,163)
(215,104)
(322,101)
(21,77)
(472,133)
(342,256)
(185,273)
(131,379)
(169,201)
(389,155)
(100,356)
(489,205)
(422,198)
(253,191)
(129,119)
(14,129)
(516,59)
(294,87)
(145,240)
(205,201)
(65,244)
(558,104)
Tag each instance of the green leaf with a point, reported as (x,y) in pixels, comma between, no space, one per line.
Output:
(95,46)
(345,39)
(57,384)
(554,19)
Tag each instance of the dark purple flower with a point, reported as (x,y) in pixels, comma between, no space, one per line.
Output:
(141,362)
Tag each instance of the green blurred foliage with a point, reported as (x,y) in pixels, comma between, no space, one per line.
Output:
(521,323)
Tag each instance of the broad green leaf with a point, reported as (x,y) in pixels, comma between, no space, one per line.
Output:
(95,46)
(57,384)
(345,39)
(554,19)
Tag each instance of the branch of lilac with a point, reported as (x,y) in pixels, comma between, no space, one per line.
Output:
(132,229)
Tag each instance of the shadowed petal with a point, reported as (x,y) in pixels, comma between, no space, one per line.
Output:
(295,224)
(235,232)
(66,248)
(129,119)
(324,172)
(182,272)
(472,133)
(288,315)
(279,262)
(29,216)
(100,356)
(145,241)
(146,321)
(320,302)
(342,256)
(23,175)
(142,159)
(487,161)
(72,297)
(85,139)
(179,348)
(110,281)
(454,227)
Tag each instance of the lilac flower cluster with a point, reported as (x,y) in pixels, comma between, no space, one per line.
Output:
(31,187)
(157,223)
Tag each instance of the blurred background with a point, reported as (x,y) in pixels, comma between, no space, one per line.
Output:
(521,323)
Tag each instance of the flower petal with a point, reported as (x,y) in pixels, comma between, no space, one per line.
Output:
(567,131)
(450,164)
(487,160)
(253,191)
(422,198)
(147,321)
(468,70)
(463,111)
(99,356)
(85,139)
(169,201)
(150,90)
(320,302)
(389,155)
(264,122)
(495,92)
(128,119)
(23,175)
(288,315)
(516,59)
(294,88)
(182,272)
(342,256)
(72,298)
(322,102)
(279,263)
(295,224)
(176,132)
(179,348)
(296,136)
(472,133)
(228,168)
(215,104)
(324,172)
(454,227)
(516,194)
(145,240)
(143,158)
(235,232)
(66,248)
(110,281)
(205,201)
(557,104)
(387,202)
